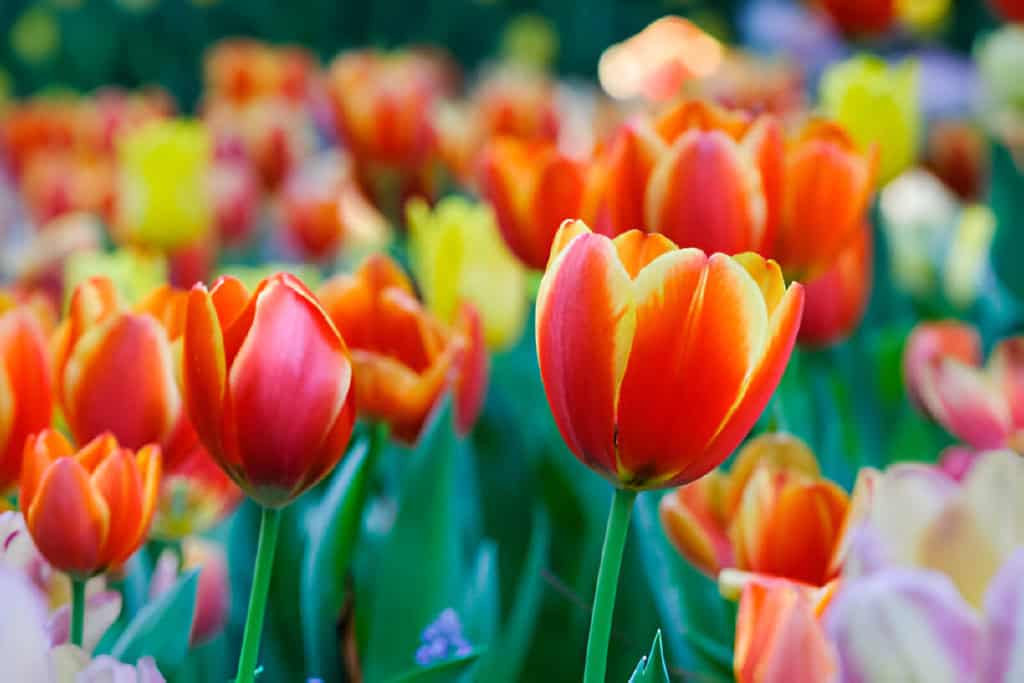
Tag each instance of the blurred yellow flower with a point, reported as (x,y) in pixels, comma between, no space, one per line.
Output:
(458,254)
(923,15)
(35,35)
(876,102)
(134,272)
(163,193)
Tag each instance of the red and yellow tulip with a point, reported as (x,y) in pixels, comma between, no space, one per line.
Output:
(242,353)
(404,358)
(701,175)
(657,360)
(242,70)
(90,510)
(26,403)
(838,298)
(532,188)
(773,513)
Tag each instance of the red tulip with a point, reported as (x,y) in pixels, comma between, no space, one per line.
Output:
(861,16)
(268,385)
(837,299)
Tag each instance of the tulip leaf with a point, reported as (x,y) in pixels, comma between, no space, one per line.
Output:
(481,610)
(504,661)
(442,672)
(651,668)
(333,528)
(419,570)
(161,629)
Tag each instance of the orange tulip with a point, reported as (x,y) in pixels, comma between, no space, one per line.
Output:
(268,385)
(838,298)
(26,403)
(102,351)
(701,175)
(533,187)
(772,514)
(657,360)
(779,634)
(405,358)
(88,511)
(827,187)
(242,70)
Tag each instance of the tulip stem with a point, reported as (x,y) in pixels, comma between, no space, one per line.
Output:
(269,525)
(607,585)
(77,611)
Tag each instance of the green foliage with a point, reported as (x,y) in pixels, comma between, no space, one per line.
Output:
(651,668)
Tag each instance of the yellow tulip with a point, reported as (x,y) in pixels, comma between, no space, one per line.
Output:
(163,194)
(876,102)
(458,254)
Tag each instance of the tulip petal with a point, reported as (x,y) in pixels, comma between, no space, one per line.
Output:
(613,199)
(965,401)
(26,405)
(229,297)
(471,380)
(637,249)
(991,489)
(928,343)
(731,219)
(776,450)
(1007,369)
(69,519)
(1004,630)
(907,500)
(585,325)
(904,625)
(204,371)
(117,480)
(40,451)
(692,520)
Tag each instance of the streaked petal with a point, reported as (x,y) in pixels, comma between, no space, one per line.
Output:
(692,520)
(776,450)
(637,249)
(965,401)
(204,370)
(117,481)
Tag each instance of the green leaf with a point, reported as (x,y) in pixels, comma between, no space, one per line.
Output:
(651,668)
(333,529)
(480,609)
(420,568)
(161,629)
(504,662)
(442,672)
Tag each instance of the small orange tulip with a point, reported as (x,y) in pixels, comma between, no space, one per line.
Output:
(405,358)
(838,298)
(657,360)
(103,348)
(827,187)
(26,403)
(532,187)
(267,384)
(701,175)
(771,514)
(88,511)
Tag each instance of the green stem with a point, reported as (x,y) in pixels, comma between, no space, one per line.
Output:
(269,526)
(607,585)
(77,611)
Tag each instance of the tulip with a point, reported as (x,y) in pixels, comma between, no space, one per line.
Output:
(876,103)
(458,255)
(404,358)
(861,16)
(213,593)
(827,188)
(26,404)
(195,495)
(772,514)
(658,175)
(532,188)
(610,399)
(1011,10)
(957,153)
(163,200)
(837,299)
(779,638)
(54,184)
(629,341)
(242,70)
(101,348)
(236,193)
(656,62)
(982,406)
(242,354)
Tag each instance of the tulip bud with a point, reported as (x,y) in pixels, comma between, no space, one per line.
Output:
(607,311)
(88,511)
(243,353)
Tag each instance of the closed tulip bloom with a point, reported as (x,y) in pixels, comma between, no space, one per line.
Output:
(163,200)
(837,299)
(532,187)
(701,175)
(631,343)
(827,184)
(242,354)
(90,510)
(405,358)
(102,348)
(26,403)
(772,513)
(877,103)
(458,255)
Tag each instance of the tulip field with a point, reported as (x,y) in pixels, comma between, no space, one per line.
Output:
(503,341)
